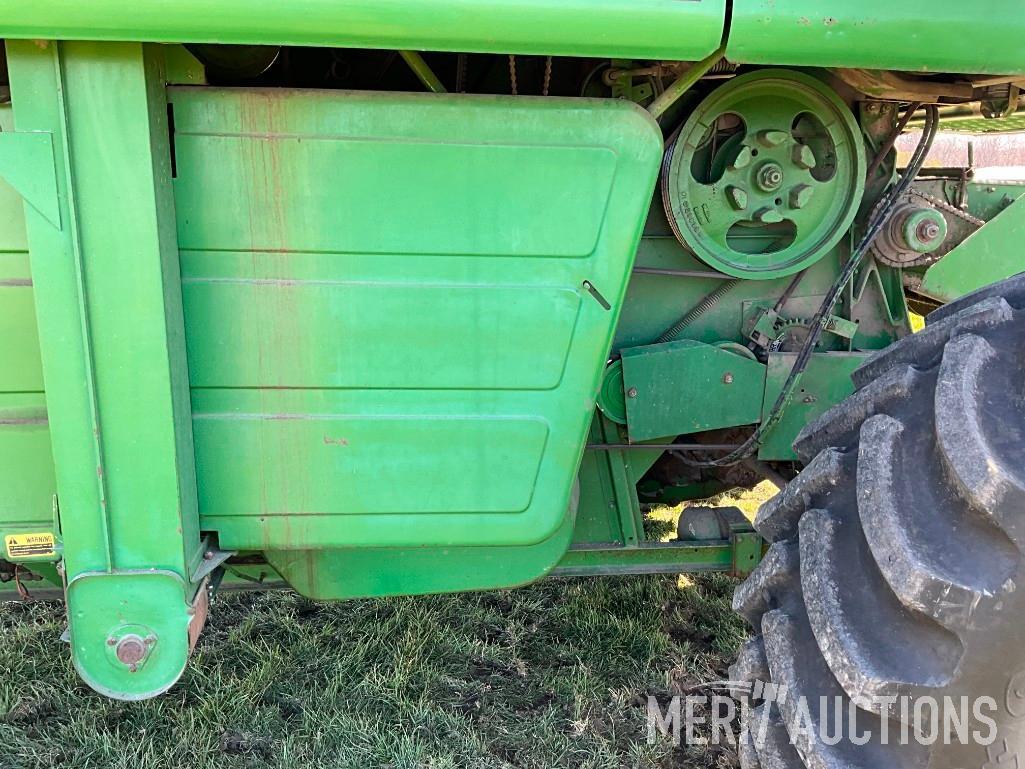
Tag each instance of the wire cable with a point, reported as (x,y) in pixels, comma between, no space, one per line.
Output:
(875,226)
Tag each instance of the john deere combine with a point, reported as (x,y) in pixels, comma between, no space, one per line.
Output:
(377,298)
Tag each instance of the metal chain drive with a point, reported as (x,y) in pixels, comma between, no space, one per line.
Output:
(894,247)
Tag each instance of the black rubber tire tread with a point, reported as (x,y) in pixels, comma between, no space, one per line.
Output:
(897,554)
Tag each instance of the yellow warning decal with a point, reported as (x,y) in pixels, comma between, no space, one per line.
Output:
(30,545)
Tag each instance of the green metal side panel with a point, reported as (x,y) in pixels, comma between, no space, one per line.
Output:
(989,255)
(688,387)
(26,461)
(913,35)
(397,311)
(826,382)
(641,29)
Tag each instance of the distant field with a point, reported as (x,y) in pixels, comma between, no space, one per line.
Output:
(553,675)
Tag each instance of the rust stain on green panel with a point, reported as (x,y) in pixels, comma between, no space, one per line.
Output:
(388,316)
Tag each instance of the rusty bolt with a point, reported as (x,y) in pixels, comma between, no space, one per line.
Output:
(111,642)
(131,650)
(631,393)
(727,378)
(928,231)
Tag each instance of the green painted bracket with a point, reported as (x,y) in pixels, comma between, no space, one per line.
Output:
(26,163)
(134,639)
(826,382)
(738,555)
(117,399)
(985,257)
(686,387)
(748,547)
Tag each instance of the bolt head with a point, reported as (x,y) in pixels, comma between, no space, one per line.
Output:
(631,393)
(929,231)
(727,378)
(769,177)
(131,650)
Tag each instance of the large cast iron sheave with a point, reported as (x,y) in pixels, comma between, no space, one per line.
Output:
(765,176)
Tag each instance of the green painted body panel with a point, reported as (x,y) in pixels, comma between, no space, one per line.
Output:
(688,387)
(985,257)
(386,311)
(26,459)
(826,382)
(643,29)
(914,35)
(361,572)
(360,334)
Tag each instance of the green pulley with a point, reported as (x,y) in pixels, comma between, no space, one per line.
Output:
(766,175)
(611,399)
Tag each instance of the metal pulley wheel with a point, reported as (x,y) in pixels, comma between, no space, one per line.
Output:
(922,230)
(912,236)
(765,176)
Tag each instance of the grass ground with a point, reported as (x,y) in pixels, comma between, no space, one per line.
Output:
(553,675)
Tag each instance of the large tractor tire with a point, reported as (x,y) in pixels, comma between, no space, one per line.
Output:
(896,564)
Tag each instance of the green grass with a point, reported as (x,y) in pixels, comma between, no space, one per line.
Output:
(553,675)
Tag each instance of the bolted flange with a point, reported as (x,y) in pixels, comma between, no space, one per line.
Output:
(913,237)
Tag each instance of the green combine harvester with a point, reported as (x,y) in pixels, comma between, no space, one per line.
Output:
(381,298)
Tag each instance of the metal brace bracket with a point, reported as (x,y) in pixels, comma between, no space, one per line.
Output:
(212,559)
(27,164)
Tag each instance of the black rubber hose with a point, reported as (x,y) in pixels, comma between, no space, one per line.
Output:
(876,224)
